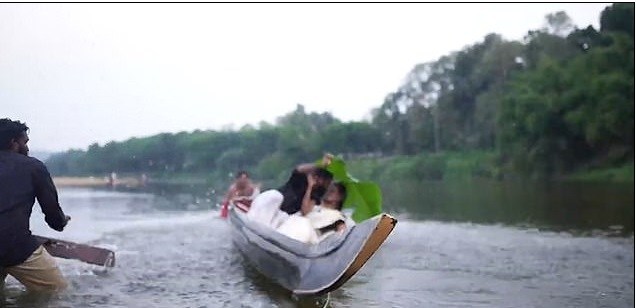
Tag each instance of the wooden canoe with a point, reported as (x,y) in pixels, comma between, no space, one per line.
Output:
(308,269)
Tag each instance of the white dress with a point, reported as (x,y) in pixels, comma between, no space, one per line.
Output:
(305,228)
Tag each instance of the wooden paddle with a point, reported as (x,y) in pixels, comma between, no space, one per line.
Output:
(84,253)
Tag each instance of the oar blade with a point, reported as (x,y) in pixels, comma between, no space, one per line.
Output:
(81,252)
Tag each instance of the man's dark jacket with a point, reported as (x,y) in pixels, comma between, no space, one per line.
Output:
(22,179)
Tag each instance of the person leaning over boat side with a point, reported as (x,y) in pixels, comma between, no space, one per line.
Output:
(243,190)
(22,179)
(314,222)
(273,206)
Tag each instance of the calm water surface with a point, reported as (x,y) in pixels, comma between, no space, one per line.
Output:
(173,251)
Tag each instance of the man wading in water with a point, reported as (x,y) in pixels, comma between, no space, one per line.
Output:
(22,179)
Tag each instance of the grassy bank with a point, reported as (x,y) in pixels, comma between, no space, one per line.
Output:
(439,166)
(450,166)
(620,174)
(466,165)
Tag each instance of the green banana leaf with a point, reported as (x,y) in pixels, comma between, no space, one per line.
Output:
(364,197)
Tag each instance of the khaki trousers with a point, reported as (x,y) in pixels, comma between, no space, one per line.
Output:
(38,273)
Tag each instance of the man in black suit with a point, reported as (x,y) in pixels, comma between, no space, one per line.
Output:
(22,180)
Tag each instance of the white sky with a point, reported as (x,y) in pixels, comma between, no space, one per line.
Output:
(84,73)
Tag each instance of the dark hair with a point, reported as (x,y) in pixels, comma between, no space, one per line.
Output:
(342,190)
(323,173)
(241,173)
(10,130)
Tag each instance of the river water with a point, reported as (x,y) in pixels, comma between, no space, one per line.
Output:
(173,251)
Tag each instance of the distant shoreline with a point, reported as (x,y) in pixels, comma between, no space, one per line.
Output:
(91,181)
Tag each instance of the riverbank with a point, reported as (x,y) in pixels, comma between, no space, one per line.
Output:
(459,189)
(622,174)
(96,182)
(440,166)
(450,166)
(468,165)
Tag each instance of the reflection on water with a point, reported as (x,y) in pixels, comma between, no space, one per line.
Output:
(582,208)
(173,251)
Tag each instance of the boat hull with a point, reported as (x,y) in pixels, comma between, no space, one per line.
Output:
(304,268)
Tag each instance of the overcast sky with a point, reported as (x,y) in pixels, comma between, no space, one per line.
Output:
(84,73)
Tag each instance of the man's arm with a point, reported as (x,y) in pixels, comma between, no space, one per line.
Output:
(46,194)
(230,192)
(310,167)
(306,168)
(308,204)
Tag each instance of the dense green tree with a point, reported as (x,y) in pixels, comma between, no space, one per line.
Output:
(618,17)
(567,114)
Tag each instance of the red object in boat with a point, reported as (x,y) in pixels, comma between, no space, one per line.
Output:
(224,209)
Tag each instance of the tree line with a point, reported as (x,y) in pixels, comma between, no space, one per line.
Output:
(559,100)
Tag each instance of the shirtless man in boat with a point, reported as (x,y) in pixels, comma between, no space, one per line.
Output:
(273,207)
(22,180)
(243,190)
